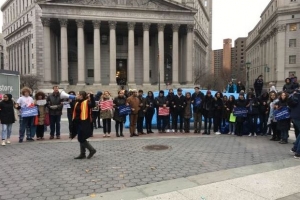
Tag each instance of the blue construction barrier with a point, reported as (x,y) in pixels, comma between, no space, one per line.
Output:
(184,91)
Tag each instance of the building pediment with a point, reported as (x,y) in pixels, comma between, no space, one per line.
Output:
(142,4)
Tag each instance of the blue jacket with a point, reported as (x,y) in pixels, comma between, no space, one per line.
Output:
(232,87)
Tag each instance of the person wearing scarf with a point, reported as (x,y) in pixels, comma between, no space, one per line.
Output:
(82,120)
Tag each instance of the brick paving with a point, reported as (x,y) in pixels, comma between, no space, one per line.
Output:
(48,171)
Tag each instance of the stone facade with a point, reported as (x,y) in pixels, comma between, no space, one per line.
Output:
(80,43)
(1,53)
(273,45)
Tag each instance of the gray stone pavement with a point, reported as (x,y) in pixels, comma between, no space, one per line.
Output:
(48,171)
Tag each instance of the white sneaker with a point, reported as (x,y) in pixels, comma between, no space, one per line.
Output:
(229,133)
(168,131)
(255,135)
(217,133)
(250,135)
(232,133)
(8,142)
(173,131)
(3,143)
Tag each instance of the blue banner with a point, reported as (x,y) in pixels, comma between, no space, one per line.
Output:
(282,113)
(29,111)
(240,112)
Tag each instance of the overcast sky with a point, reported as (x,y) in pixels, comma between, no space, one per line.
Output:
(235,18)
(231,18)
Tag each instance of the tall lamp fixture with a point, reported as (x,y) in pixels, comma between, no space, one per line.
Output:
(248,68)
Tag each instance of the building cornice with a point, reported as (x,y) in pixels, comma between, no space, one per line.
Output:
(204,10)
(6,3)
(204,41)
(70,11)
(27,24)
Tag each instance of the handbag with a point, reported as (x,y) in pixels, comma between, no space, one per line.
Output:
(232,118)
(282,113)
(47,120)
(36,120)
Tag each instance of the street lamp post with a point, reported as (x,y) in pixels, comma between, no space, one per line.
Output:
(248,67)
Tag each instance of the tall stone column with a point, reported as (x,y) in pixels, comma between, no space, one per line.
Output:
(23,57)
(13,58)
(26,56)
(146,53)
(131,63)
(80,52)
(20,57)
(112,52)
(97,53)
(64,51)
(281,53)
(161,51)
(47,51)
(189,56)
(175,55)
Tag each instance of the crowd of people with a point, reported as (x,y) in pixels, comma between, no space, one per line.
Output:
(254,112)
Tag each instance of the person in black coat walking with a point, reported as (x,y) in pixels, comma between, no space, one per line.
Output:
(82,123)
(7,117)
(208,111)
(258,85)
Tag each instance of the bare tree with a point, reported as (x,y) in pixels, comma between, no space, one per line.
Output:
(30,81)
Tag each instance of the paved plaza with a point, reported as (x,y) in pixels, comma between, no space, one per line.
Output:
(47,170)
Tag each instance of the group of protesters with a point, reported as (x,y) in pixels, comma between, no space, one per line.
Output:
(254,112)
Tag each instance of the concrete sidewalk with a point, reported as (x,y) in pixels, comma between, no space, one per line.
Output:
(274,180)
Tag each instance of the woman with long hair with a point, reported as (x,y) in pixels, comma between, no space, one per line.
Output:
(82,120)
(271,120)
(283,125)
(208,112)
(7,117)
(187,112)
(229,109)
(106,115)
(150,103)
(42,110)
(218,110)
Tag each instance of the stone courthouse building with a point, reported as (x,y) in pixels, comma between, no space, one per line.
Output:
(88,43)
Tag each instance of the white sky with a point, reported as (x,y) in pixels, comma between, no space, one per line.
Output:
(235,18)
(231,18)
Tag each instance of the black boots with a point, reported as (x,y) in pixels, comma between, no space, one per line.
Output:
(83,146)
(87,145)
(82,153)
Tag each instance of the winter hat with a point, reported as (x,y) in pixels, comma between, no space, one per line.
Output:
(208,92)
(161,92)
(179,90)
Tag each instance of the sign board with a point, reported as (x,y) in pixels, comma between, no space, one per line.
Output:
(10,84)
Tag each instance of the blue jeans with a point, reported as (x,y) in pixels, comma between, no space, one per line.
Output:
(26,123)
(55,124)
(284,134)
(297,143)
(6,131)
(252,122)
